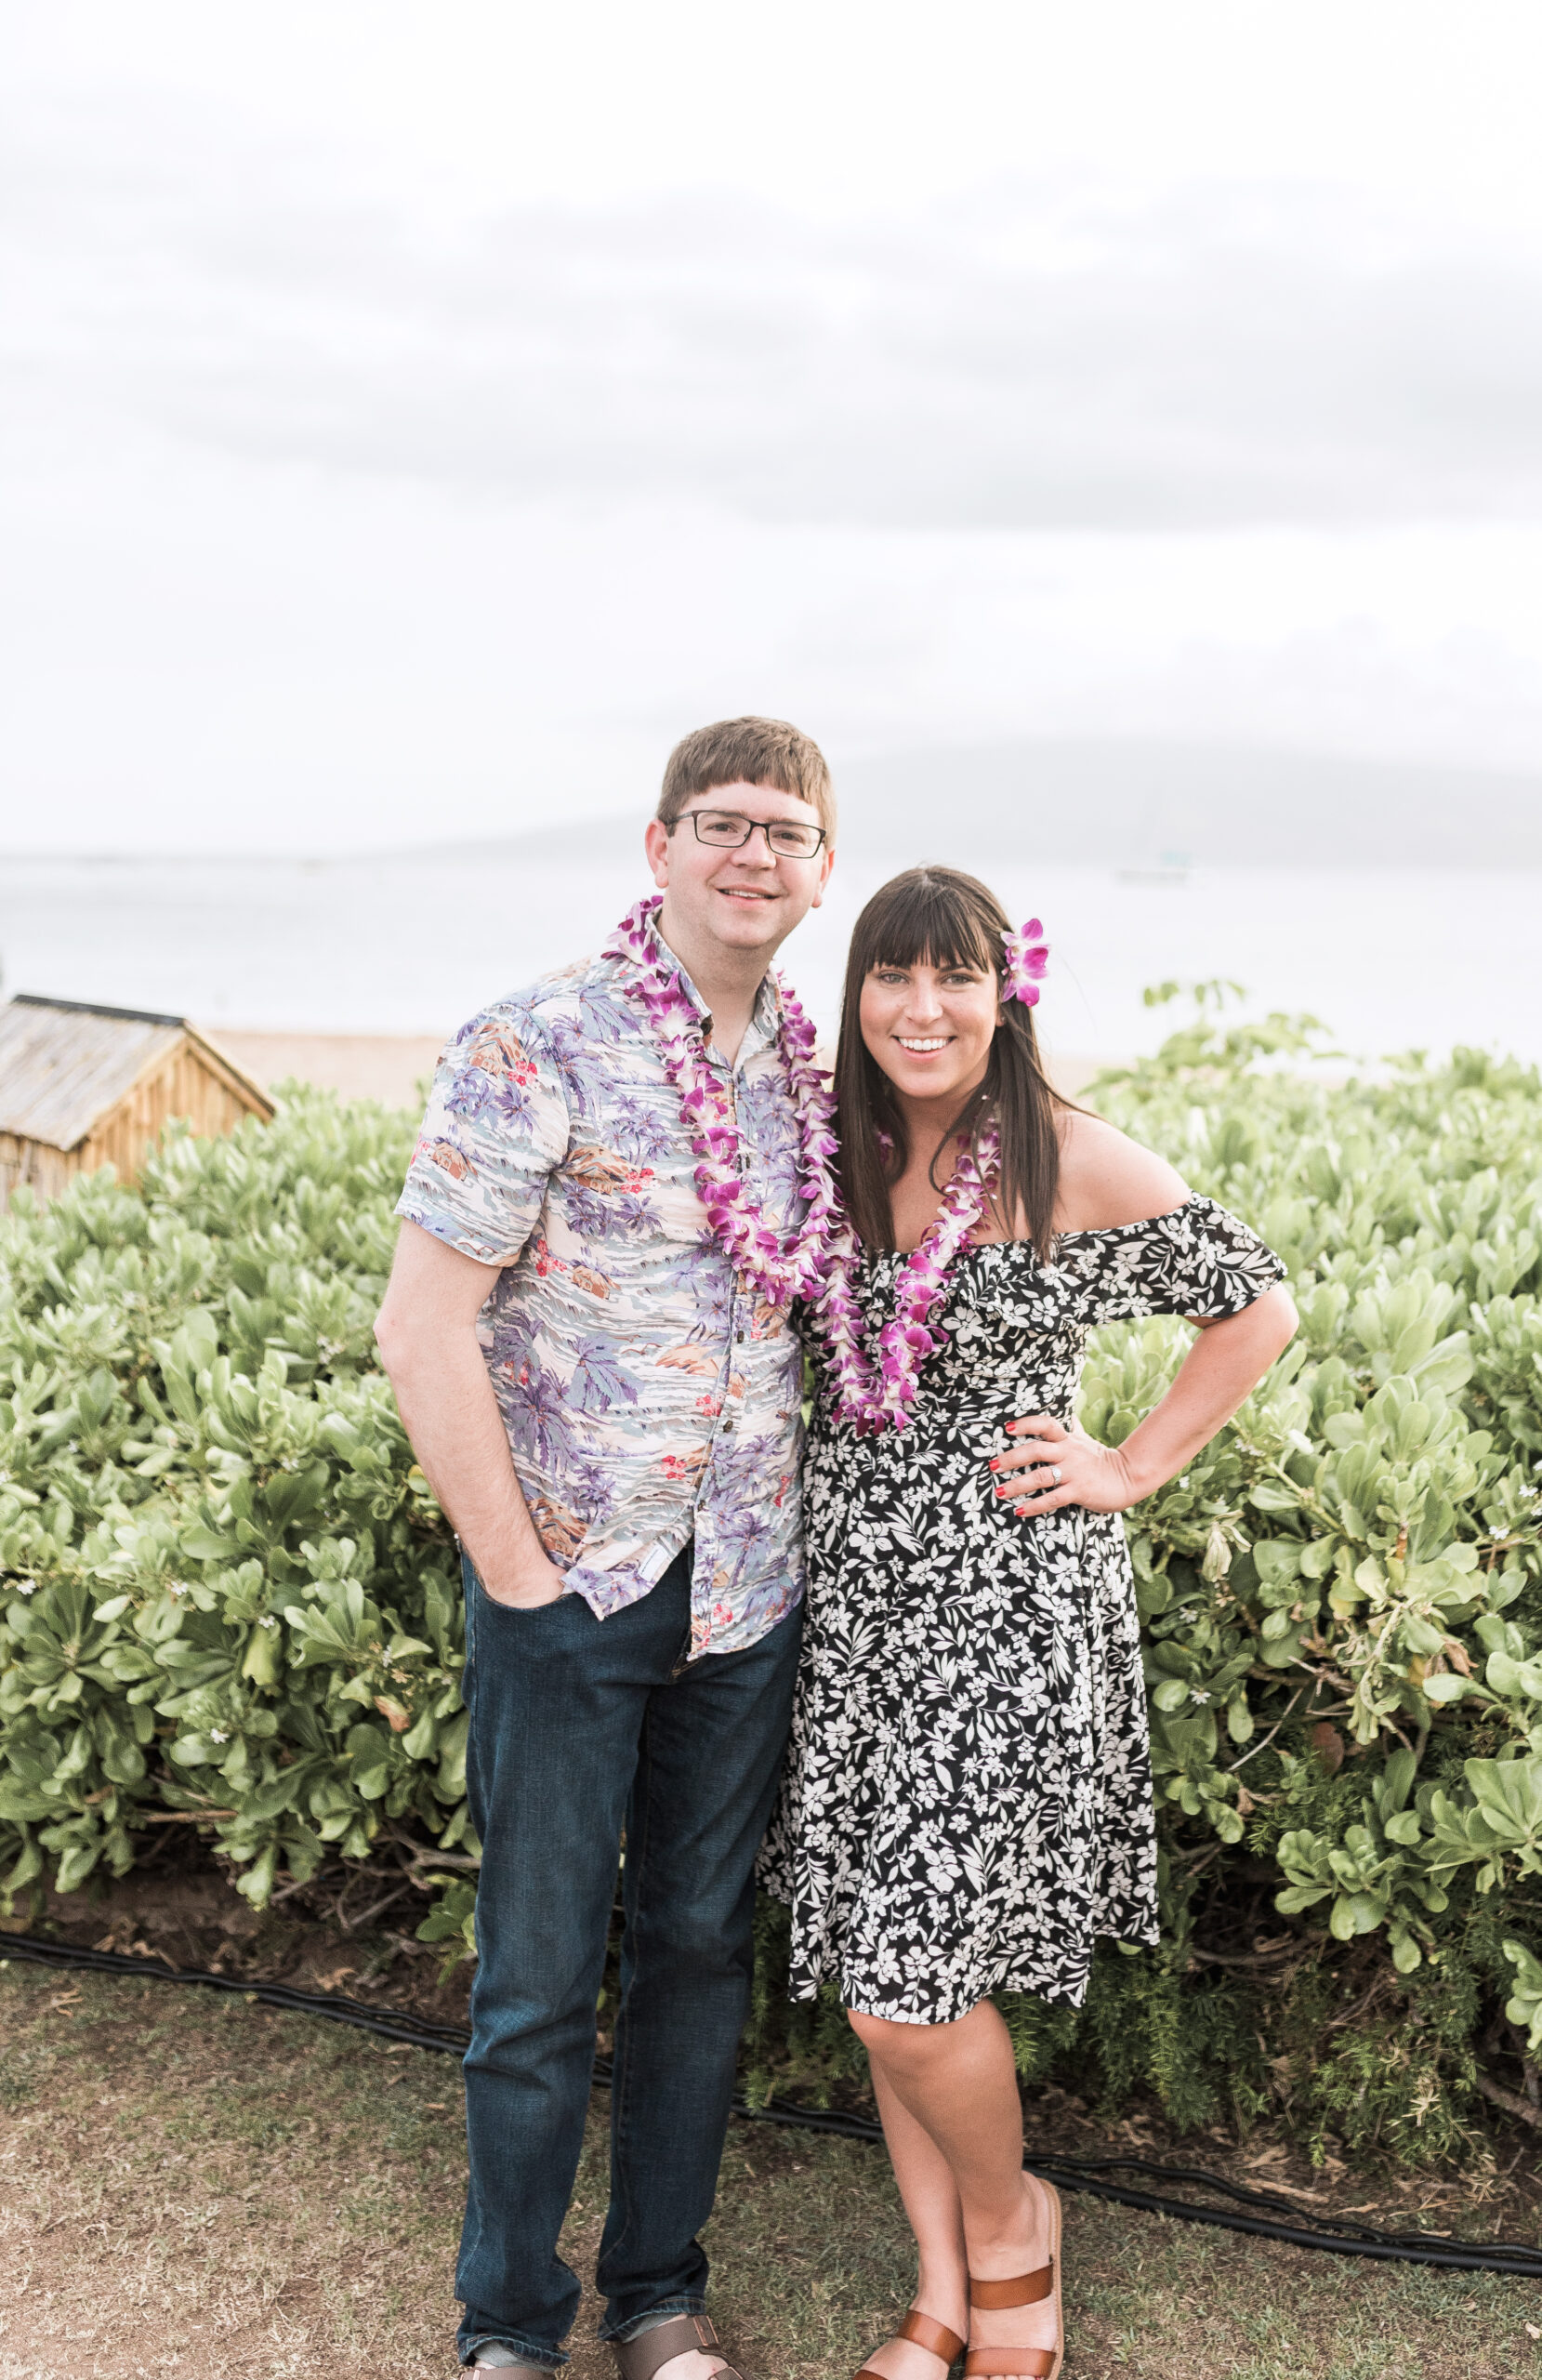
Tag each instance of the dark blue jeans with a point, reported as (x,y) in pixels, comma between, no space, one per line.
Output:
(580,1728)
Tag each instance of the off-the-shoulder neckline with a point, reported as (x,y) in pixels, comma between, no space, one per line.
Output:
(1115,1231)
(1104,1231)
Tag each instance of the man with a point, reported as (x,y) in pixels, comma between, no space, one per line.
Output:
(598,1375)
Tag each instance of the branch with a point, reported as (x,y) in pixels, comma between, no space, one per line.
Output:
(1266,1740)
(353,1924)
(426,1855)
(182,1817)
(1512,2101)
(1268,1962)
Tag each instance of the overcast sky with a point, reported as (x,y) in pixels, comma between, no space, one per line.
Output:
(416,418)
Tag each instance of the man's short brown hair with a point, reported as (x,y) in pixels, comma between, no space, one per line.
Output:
(748,751)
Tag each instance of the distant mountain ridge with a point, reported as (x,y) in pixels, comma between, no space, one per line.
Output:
(1137,805)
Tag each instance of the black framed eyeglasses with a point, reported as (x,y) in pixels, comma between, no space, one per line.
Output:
(729,830)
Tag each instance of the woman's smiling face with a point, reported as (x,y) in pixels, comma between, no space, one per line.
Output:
(931,1028)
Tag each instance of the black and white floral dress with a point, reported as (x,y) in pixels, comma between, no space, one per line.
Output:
(967,1801)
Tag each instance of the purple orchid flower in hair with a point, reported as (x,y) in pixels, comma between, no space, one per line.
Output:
(1027,957)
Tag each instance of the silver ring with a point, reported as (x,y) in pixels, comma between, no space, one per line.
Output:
(1055,1472)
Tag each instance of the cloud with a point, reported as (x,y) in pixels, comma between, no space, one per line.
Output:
(1036,355)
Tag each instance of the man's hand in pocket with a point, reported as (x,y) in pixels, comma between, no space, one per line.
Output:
(526,1588)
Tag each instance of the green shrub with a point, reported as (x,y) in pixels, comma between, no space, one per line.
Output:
(230,1591)
(230,1600)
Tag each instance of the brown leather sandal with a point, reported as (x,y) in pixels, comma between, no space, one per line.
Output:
(1028,2289)
(639,2359)
(921,2331)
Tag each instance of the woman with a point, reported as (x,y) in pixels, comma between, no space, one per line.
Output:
(966,1804)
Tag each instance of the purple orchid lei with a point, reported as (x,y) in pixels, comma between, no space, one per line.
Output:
(778,1269)
(819,1262)
(873,1402)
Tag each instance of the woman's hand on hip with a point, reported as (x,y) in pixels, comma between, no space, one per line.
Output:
(1053,1463)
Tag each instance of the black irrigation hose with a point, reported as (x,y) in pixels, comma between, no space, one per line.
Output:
(1339,2235)
(392,2023)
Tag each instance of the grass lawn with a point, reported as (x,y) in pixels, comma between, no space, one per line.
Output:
(199,2186)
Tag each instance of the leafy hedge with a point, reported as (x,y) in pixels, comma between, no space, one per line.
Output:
(230,1600)
(230,1594)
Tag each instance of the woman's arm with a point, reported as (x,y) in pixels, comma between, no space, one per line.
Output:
(1223,1368)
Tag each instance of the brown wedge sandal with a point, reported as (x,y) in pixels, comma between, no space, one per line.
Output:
(1029,2289)
(639,2359)
(921,2331)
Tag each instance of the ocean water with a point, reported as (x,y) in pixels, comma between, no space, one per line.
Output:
(1389,959)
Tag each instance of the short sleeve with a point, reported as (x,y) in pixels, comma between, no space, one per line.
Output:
(496,1130)
(1198,1260)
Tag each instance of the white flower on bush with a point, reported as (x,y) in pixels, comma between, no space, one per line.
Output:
(220,1735)
(26,1586)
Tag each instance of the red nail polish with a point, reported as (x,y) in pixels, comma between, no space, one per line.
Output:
(996,1462)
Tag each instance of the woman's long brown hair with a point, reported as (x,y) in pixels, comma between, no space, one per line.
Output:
(936,917)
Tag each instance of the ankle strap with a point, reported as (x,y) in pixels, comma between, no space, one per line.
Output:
(1026,2290)
(640,2358)
(935,2337)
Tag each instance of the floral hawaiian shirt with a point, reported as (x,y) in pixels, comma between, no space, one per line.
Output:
(649,1397)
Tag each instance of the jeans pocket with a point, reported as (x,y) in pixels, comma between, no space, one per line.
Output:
(480,1608)
(469,1585)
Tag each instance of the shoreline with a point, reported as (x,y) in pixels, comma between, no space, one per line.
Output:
(393,1068)
(387,1066)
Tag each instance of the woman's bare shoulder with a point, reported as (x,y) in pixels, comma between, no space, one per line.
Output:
(1107,1179)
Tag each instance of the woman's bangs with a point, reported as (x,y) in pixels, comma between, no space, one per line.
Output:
(929,924)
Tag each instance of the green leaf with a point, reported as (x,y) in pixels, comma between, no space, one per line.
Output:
(1271,1495)
(1296,1897)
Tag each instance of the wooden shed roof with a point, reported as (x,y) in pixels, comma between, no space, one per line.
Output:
(65,1065)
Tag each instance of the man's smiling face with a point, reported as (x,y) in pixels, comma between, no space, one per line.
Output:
(745,899)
